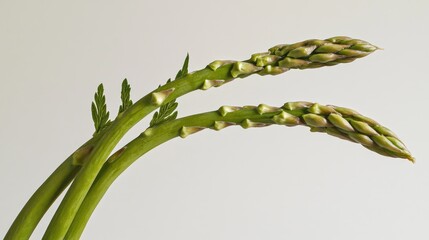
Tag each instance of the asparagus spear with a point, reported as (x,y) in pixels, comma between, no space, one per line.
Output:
(336,121)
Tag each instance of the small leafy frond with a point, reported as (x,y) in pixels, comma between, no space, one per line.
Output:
(125,96)
(100,115)
(184,71)
(167,111)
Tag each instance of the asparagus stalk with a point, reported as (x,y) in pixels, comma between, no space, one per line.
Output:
(30,215)
(307,54)
(202,79)
(336,121)
(33,211)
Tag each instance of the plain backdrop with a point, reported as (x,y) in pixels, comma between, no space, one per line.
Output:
(270,183)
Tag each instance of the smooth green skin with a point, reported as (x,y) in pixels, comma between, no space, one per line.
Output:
(141,145)
(28,218)
(47,193)
(68,208)
(30,215)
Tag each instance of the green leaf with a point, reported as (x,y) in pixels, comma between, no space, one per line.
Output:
(184,71)
(167,111)
(125,96)
(99,112)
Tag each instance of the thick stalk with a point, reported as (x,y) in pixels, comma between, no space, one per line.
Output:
(300,55)
(65,214)
(329,119)
(122,159)
(36,207)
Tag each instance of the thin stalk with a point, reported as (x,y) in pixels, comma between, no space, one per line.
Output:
(308,54)
(36,207)
(65,213)
(30,215)
(330,119)
(122,159)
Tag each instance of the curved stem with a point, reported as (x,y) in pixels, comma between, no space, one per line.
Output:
(30,215)
(153,137)
(36,207)
(69,206)
(336,121)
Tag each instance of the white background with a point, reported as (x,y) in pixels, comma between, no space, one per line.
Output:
(270,183)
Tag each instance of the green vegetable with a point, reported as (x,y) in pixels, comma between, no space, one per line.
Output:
(92,168)
(332,122)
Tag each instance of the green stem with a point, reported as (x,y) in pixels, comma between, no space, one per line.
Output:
(41,200)
(122,159)
(340,122)
(69,206)
(36,207)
